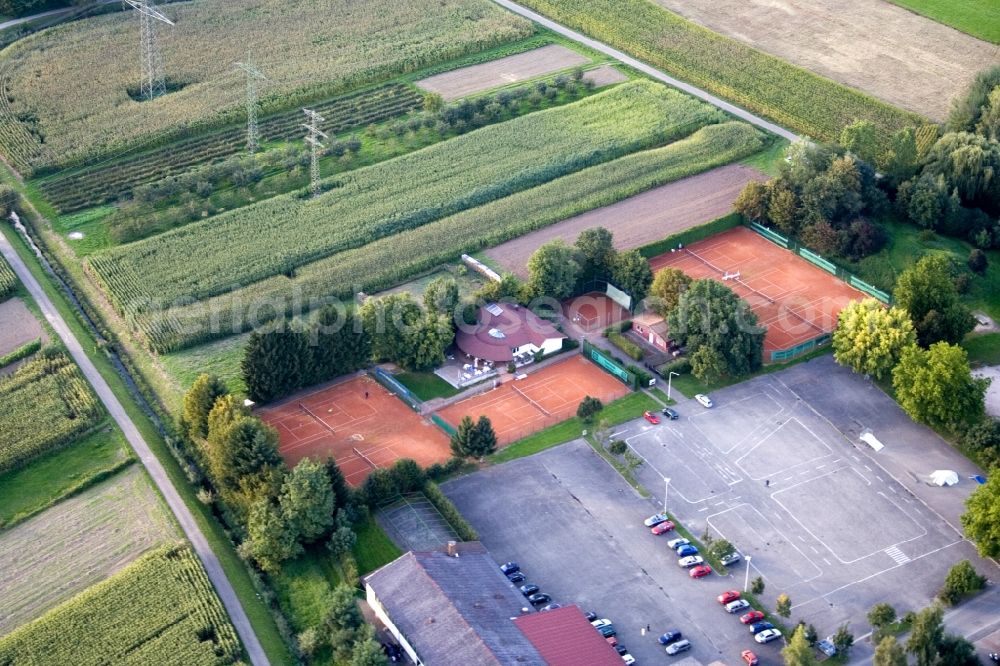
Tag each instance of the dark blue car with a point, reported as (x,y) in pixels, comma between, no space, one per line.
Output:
(758,627)
(684,551)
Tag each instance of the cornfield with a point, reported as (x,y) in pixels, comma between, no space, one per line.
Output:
(390,261)
(45,404)
(161,609)
(800,100)
(8,281)
(65,92)
(279,235)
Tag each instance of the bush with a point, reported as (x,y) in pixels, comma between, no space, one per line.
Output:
(631,349)
(977,261)
(618,447)
(961,581)
(450,512)
(681,366)
(589,408)
(641,376)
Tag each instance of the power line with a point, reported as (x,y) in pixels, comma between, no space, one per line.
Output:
(253,74)
(313,140)
(153,83)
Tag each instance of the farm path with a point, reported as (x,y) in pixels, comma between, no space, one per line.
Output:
(740,113)
(52,12)
(156,471)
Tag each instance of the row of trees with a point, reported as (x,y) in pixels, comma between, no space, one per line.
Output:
(928,642)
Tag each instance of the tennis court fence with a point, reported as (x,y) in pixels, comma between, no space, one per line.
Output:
(391,383)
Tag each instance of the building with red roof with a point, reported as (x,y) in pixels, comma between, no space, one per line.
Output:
(564,637)
(508,332)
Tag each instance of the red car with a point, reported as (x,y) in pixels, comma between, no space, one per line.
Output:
(751,617)
(612,640)
(726,597)
(651,417)
(749,657)
(663,528)
(700,571)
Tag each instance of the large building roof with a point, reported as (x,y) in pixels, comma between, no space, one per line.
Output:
(502,327)
(454,610)
(564,637)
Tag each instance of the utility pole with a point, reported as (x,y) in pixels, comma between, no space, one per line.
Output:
(313,139)
(253,74)
(153,83)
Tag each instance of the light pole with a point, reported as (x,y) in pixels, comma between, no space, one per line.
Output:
(670,378)
(746,581)
(666,487)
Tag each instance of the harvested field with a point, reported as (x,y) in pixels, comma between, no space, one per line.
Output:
(544,398)
(641,219)
(872,45)
(476,78)
(605,76)
(18,326)
(794,299)
(356,415)
(77,543)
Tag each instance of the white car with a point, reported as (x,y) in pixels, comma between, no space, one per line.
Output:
(737,606)
(767,636)
(674,544)
(705,401)
(691,561)
(680,646)
(628,659)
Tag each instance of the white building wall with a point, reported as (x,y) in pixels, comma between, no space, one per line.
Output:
(384,618)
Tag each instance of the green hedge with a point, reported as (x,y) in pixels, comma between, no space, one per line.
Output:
(450,512)
(691,235)
(631,349)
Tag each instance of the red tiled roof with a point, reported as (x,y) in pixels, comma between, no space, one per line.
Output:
(564,638)
(501,327)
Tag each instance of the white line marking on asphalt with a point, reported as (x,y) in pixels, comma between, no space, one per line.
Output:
(869,468)
(814,549)
(827,562)
(821,466)
(704,508)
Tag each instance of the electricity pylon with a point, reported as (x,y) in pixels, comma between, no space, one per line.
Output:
(153,84)
(253,74)
(313,140)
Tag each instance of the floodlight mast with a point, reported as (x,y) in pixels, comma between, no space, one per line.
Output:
(253,74)
(153,84)
(313,139)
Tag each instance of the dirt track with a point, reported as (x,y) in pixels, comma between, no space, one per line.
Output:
(18,326)
(469,80)
(641,219)
(884,50)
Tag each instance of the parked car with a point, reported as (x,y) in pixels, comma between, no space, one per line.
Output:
(767,636)
(705,401)
(516,577)
(749,658)
(551,607)
(670,414)
(529,589)
(737,606)
(612,641)
(628,659)
(669,637)
(827,647)
(656,519)
(726,597)
(509,568)
(621,649)
(663,527)
(758,627)
(678,647)
(687,550)
(539,598)
(674,544)
(700,571)
(590,615)
(393,652)
(751,617)
(691,561)
(605,627)
(730,559)
(651,417)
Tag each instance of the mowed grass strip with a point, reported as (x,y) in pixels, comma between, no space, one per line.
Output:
(160,610)
(46,403)
(307,49)
(393,260)
(979,18)
(281,234)
(793,97)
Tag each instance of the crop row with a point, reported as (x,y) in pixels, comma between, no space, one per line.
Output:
(8,281)
(160,609)
(390,261)
(802,101)
(279,235)
(92,187)
(45,404)
(307,49)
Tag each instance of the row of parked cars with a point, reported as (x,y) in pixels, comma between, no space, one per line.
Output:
(762,630)
(538,598)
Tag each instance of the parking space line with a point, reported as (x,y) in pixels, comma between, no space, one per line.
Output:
(880,478)
(868,468)
(827,562)
(704,508)
(821,466)
(814,549)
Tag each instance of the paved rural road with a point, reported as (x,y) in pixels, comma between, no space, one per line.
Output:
(52,12)
(646,69)
(215,573)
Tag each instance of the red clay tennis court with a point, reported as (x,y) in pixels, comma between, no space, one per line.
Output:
(594,311)
(359,433)
(521,407)
(796,300)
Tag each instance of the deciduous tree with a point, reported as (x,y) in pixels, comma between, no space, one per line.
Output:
(961,580)
(861,138)
(596,251)
(843,639)
(926,635)
(588,408)
(936,386)
(269,540)
(798,652)
(306,501)
(783,605)
(981,520)
(881,615)
(752,202)
(889,652)
(926,290)
(553,270)
(198,402)
(631,272)
(870,338)
(441,295)
(665,292)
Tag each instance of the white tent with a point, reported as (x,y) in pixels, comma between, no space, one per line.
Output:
(944,477)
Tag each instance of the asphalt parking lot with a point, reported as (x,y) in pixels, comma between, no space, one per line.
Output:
(777,468)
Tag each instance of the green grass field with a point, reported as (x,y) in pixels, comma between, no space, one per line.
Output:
(303,587)
(426,385)
(60,474)
(979,18)
(221,358)
(373,547)
(983,349)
